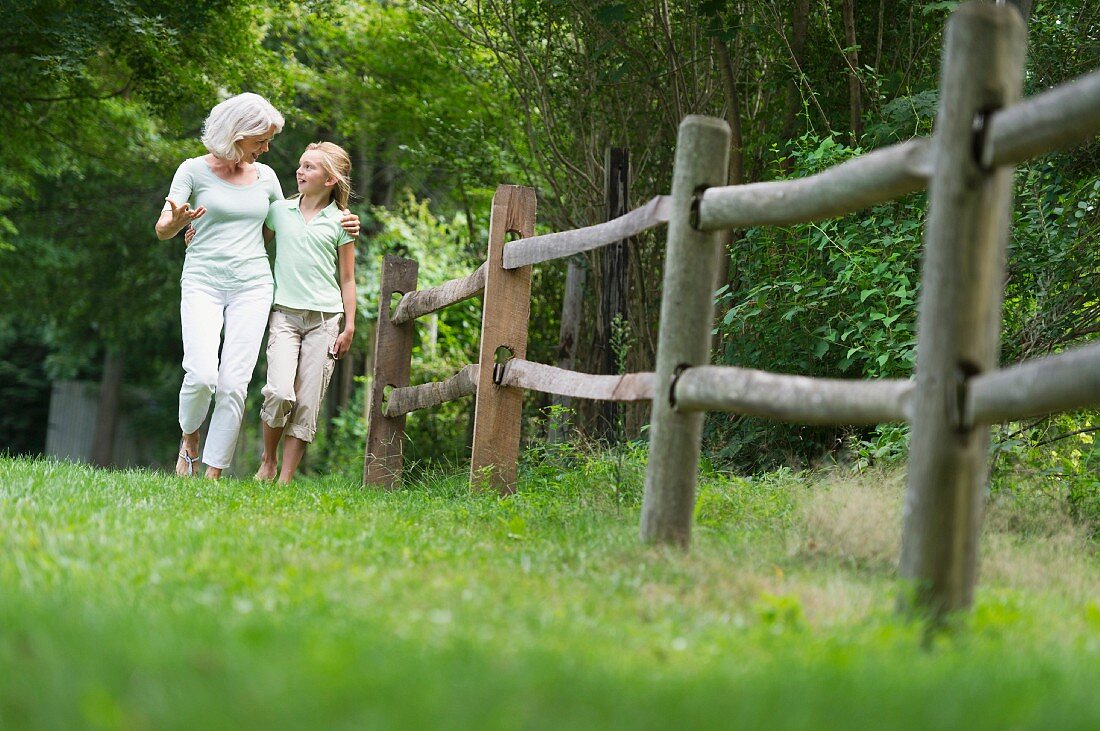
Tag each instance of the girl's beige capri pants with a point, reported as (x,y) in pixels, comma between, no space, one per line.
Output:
(299,366)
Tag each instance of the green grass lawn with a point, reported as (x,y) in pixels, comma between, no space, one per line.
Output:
(137,600)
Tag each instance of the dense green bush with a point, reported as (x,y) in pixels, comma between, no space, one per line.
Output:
(838,298)
(835,298)
(1058,457)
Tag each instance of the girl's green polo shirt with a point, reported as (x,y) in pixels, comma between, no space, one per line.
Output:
(305,256)
(228,249)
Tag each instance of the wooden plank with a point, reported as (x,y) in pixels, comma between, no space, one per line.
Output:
(1056,119)
(1053,120)
(566,243)
(392,361)
(506,308)
(521,373)
(875,177)
(959,315)
(429,395)
(1062,382)
(797,399)
(687,316)
(426,301)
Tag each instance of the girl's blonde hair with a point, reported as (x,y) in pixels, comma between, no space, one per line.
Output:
(336,162)
(240,116)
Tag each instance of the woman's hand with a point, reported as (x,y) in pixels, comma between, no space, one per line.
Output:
(183,215)
(188,235)
(342,344)
(350,222)
(172,221)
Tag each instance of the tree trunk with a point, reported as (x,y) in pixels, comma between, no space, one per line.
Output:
(572,306)
(733,112)
(106,423)
(614,290)
(799,23)
(851,56)
(381,181)
(737,160)
(366,162)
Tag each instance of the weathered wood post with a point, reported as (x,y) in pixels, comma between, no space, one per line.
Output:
(506,306)
(962,281)
(392,361)
(687,312)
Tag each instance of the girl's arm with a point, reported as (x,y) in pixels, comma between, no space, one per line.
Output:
(346,258)
(269,235)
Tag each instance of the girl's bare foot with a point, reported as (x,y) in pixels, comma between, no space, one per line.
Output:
(267,470)
(213,473)
(187,462)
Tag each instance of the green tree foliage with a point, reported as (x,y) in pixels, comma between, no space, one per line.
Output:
(406,94)
(448,99)
(101,102)
(86,82)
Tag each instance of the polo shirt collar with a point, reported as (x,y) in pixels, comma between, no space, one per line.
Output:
(329,211)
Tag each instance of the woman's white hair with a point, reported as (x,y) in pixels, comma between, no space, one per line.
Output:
(240,116)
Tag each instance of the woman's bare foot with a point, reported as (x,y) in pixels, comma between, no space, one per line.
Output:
(267,470)
(213,473)
(187,462)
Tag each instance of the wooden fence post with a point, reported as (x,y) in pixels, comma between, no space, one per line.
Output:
(962,281)
(687,312)
(392,361)
(505,311)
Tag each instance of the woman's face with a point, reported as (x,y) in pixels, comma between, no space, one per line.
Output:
(254,146)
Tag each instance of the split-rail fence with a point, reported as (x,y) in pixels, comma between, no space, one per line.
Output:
(982,130)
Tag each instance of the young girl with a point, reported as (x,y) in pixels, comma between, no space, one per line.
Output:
(305,337)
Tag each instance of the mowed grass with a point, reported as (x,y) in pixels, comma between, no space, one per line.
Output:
(136,600)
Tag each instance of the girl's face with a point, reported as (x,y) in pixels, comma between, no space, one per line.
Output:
(312,178)
(252,147)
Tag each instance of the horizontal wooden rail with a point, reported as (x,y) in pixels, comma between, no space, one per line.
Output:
(875,177)
(560,245)
(1055,119)
(425,301)
(796,399)
(548,379)
(1062,382)
(427,395)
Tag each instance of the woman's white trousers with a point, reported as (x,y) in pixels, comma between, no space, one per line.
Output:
(225,375)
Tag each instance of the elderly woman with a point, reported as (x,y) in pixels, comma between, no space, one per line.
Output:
(226,279)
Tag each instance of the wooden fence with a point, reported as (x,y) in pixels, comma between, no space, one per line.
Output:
(982,130)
